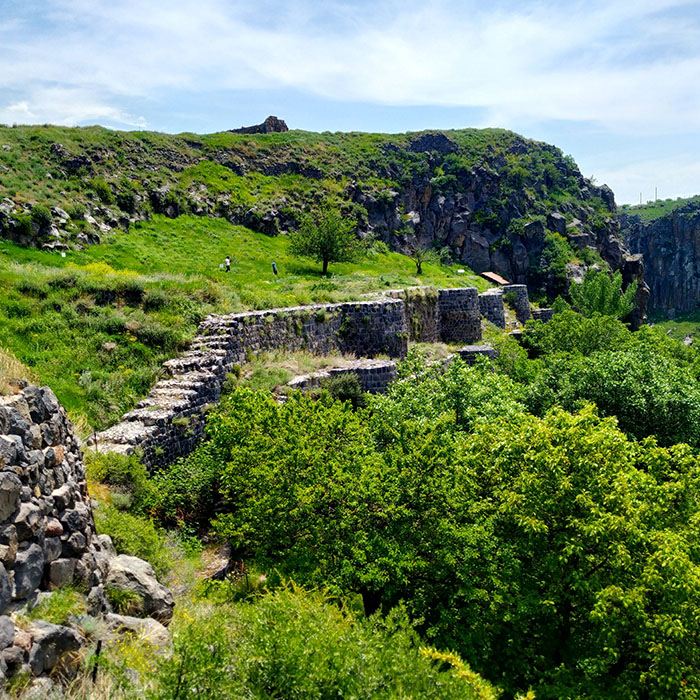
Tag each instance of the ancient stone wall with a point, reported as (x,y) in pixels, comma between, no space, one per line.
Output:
(520,300)
(46,524)
(48,538)
(422,312)
(460,315)
(491,303)
(374,376)
(169,423)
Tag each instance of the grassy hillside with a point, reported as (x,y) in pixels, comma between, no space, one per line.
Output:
(655,210)
(97,324)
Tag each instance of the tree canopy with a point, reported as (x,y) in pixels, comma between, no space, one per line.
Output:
(602,293)
(326,236)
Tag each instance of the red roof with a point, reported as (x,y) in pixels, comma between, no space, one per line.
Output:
(493,277)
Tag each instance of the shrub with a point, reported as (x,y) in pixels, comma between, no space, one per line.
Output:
(295,644)
(124,602)
(155,299)
(115,469)
(134,535)
(602,293)
(187,491)
(102,189)
(345,387)
(41,216)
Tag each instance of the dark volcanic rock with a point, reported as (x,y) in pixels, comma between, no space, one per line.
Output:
(269,126)
(671,249)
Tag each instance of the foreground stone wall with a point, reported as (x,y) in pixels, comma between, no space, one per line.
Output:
(48,538)
(46,523)
(169,423)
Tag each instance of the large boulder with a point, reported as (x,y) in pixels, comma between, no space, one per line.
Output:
(51,643)
(135,575)
(143,628)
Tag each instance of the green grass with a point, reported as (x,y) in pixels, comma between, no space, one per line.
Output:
(655,210)
(680,327)
(97,325)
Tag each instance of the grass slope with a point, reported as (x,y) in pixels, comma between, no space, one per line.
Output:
(655,210)
(97,324)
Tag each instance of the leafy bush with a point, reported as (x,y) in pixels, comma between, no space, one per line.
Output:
(155,299)
(573,333)
(649,394)
(532,546)
(601,293)
(134,535)
(102,189)
(187,491)
(124,602)
(41,216)
(345,387)
(115,469)
(295,644)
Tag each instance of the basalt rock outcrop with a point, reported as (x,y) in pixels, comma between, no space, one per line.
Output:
(48,539)
(670,246)
(271,125)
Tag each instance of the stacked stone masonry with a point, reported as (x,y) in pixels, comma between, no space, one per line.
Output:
(520,301)
(169,423)
(374,376)
(47,534)
(491,303)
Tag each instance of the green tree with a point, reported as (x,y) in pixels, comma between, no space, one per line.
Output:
(326,237)
(602,293)
(423,255)
(551,552)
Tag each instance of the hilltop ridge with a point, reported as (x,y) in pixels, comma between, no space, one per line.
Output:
(487,198)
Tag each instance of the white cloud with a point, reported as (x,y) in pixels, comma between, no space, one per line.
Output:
(65,107)
(621,64)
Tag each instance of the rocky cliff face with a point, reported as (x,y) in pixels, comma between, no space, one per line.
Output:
(671,249)
(489,199)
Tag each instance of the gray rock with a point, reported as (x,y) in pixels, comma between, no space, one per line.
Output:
(35,403)
(61,572)
(106,545)
(97,602)
(146,629)
(51,642)
(137,576)
(29,570)
(28,521)
(10,487)
(13,656)
(64,496)
(75,545)
(52,548)
(7,632)
(5,589)
(8,544)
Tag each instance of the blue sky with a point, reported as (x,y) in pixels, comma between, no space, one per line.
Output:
(613,83)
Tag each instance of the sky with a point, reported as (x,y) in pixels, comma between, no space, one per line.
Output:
(613,83)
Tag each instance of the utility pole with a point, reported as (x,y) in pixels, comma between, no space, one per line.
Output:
(640,197)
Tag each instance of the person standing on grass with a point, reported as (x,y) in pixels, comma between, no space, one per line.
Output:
(274,268)
(228,264)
